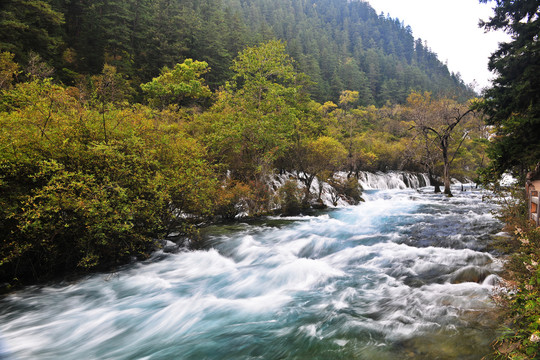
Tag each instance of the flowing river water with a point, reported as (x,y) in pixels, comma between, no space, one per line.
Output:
(405,275)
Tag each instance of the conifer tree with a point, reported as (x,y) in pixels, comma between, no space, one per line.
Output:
(513,102)
(30,25)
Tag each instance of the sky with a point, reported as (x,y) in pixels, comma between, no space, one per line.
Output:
(451,31)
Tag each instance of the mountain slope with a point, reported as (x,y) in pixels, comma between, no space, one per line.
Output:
(344,44)
(340,44)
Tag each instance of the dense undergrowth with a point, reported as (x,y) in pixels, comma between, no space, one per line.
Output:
(519,296)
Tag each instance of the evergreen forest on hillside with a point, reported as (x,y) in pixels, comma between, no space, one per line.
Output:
(339,44)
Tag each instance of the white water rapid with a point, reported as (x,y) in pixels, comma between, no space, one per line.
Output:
(405,275)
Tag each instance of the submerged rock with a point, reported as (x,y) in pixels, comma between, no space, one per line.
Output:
(470,274)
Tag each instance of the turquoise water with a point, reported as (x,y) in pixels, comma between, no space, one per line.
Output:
(405,275)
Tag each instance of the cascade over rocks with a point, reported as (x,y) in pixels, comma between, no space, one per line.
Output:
(331,196)
(392,180)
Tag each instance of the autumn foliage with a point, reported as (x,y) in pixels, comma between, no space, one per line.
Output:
(92,178)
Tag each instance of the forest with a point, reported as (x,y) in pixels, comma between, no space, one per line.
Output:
(90,177)
(124,121)
(341,45)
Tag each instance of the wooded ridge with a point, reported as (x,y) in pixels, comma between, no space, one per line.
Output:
(339,44)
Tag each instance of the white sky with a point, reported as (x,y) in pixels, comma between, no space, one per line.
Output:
(451,31)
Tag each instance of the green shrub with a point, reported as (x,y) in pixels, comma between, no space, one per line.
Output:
(290,196)
(83,188)
(521,305)
(350,188)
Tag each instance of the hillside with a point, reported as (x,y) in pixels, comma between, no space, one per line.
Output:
(345,45)
(339,44)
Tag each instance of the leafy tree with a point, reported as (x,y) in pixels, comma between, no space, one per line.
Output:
(37,68)
(437,121)
(264,71)
(362,154)
(233,199)
(253,121)
(178,86)
(8,70)
(291,198)
(319,158)
(512,104)
(348,188)
(348,122)
(110,87)
(423,150)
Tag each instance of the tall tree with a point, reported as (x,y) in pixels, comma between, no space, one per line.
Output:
(8,70)
(179,86)
(319,158)
(439,120)
(253,120)
(30,25)
(513,102)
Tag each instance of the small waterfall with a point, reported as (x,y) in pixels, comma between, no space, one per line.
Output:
(369,181)
(328,194)
(392,180)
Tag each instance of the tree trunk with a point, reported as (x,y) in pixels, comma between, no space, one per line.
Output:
(321,186)
(307,180)
(435,182)
(447,190)
(446,174)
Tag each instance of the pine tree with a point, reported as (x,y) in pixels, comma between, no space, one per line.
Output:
(30,26)
(513,102)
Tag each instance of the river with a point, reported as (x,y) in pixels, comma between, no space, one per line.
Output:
(405,275)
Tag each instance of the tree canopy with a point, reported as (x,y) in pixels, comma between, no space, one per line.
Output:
(31,26)
(512,104)
(341,45)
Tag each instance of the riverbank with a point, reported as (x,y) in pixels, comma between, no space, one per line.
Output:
(520,297)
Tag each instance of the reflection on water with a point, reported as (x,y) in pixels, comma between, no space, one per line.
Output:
(405,275)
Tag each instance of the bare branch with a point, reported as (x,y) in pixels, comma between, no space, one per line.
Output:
(459,146)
